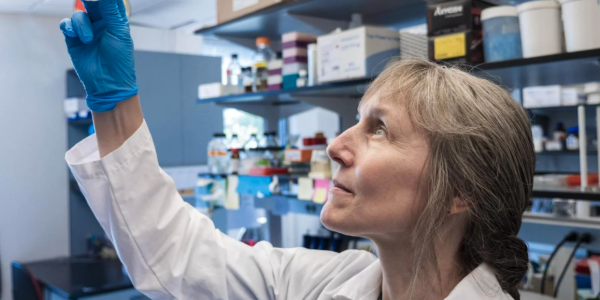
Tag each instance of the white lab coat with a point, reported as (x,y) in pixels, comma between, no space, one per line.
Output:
(172,251)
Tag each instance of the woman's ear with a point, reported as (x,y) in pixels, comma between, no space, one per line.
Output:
(458,206)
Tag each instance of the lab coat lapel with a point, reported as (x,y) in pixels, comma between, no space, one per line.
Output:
(365,285)
(481,284)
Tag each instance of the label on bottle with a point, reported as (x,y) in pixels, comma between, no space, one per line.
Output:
(241,4)
(234,166)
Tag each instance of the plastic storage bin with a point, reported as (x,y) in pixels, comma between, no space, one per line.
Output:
(501,33)
(581,19)
(541,28)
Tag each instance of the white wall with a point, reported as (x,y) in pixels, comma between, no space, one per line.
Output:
(33,174)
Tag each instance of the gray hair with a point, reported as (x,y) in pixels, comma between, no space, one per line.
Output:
(481,150)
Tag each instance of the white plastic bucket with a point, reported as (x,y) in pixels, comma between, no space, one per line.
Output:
(541,28)
(581,19)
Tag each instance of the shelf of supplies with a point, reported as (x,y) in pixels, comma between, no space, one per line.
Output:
(563,68)
(549,219)
(572,108)
(298,15)
(591,193)
(566,68)
(342,89)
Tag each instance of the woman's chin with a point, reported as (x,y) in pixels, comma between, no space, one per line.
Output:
(337,219)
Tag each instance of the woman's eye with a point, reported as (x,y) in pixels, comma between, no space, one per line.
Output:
(380,131)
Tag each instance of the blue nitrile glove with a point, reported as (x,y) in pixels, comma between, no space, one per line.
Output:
(101,50)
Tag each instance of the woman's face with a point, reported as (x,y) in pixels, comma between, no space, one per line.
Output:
(376,188)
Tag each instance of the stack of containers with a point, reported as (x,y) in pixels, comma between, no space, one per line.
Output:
(413,42)
(541,28)
(501,33)
(295,56)
(275,80)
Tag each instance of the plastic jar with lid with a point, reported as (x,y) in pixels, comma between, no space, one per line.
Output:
(581,19)
(541,28)
(501,33)
(573,139)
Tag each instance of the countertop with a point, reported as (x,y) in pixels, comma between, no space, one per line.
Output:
(77,277)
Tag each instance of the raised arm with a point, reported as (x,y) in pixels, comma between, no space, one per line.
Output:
(170,250)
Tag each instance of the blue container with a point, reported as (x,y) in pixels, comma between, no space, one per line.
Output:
(501,33)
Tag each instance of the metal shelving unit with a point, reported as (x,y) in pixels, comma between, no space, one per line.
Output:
(591,193)
(549,219)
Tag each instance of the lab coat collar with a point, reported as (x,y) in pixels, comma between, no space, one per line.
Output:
(479,284)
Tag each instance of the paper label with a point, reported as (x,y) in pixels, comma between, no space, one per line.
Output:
(320,196)
(305,188)
(241,4)
(450,46)
(321,190)
(232,201)
(329,58)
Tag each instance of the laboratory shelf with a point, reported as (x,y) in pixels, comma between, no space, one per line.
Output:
(564,69)
(550,219)
(568,108)
(341,89)
(591,193)
(300,15)
(565,152)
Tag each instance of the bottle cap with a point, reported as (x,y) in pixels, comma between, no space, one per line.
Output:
(234,56)
(263,41)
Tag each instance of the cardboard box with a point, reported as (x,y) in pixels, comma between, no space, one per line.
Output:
(454,31)
(356,53)
(542,96)
(228,10)
(457,48)
(454,16)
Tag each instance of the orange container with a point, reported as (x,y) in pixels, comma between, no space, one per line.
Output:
(575,180)
(298,155)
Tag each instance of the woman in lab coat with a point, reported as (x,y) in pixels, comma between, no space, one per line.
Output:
(437,173)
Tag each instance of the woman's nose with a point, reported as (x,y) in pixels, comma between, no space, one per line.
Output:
(340,150)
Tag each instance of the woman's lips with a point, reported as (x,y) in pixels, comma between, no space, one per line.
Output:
(339,186)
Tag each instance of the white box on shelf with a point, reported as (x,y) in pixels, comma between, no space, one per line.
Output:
(542,96)
(355,53)
(591,87)
(211,90)
(572,95)
(217,89)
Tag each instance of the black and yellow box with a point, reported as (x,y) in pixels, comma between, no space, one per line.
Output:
(457,48)
(454,31)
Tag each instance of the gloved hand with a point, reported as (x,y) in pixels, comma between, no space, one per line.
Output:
(101,50)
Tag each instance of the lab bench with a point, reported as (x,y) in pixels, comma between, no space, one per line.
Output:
(84,278)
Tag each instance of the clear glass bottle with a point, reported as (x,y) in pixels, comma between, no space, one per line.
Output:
(263,56)
(251,143)
(234,72)
(217,154)
(235,142)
